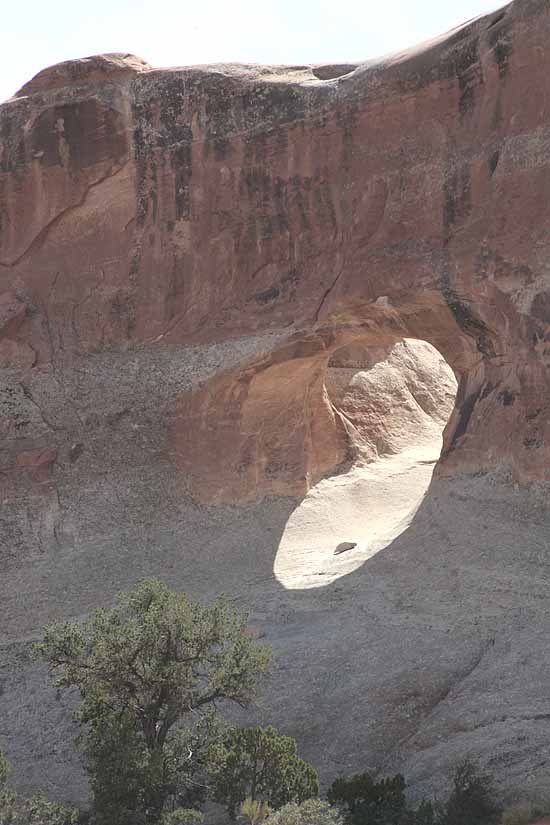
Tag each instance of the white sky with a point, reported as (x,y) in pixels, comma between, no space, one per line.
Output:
(38,33)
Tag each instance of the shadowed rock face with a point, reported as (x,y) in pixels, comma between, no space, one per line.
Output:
(407,197)
(183,251)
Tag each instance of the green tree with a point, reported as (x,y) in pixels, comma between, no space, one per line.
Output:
(261,764)
(310,812)
(427,813)
(182,816)
(39,810)
(472,800)
(7,795)
(521,813)
(253,811)
(124,776)
(363,801)
(144,668)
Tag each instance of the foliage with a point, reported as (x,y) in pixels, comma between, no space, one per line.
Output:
(310,812)
(39,810)
(363,801)
(519,814)
(367,802)
(142,668)
(4,771)
(182,816)
(472,798)
(124,776)
(427,813)
(254,811)
(261,764)
(117,761)
(7,796)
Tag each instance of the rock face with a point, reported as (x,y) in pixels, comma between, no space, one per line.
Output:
(184,253)
(388,401)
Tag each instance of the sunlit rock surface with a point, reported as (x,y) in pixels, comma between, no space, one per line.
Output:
(183,255)
(394,406)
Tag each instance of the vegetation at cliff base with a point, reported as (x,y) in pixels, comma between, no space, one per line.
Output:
(152,673)
(364,800)
(156,674)
(472,799)
(310,812)
(259,764)
(38,810)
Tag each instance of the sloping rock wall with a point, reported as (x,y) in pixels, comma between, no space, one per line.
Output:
(182,251)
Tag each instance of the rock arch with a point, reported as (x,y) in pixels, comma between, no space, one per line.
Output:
(279,433)
(210,204)
(181,252)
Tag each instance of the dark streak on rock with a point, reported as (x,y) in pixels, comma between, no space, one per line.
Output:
(182,180)
(466,409)
(456,197)
(487,390)
(493,161)
(533,440)
(540,307)
(507,397)
(268,295)
(469,323)
(499,39)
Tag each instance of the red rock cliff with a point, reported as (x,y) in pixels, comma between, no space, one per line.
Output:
(406,197)
(182,252)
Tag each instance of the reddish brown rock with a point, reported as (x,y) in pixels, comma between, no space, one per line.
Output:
(12,313)
(16,355)
(404,198)
(39,462)
(183,252)
(73,73)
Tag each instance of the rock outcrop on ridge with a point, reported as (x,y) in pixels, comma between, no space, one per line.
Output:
(183,254)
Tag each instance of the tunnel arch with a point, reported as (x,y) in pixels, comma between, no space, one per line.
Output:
(390,399)
(392,404)
(279,433)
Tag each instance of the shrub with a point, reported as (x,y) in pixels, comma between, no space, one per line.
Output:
(427,813)
(39,810)
(182,816)
(261,764)
(472,799)
(310,812)
(363,801)
(254,811)
(7,795)
(519,814)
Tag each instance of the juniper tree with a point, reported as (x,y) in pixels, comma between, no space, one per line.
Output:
(262,765)
(143,669)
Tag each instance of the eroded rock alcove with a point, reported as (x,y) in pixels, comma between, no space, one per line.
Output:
(390,408)
(284,426)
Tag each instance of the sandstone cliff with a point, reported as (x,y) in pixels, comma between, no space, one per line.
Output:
(184,253)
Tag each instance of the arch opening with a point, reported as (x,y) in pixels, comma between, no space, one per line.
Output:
(390,405)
